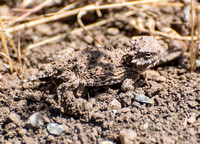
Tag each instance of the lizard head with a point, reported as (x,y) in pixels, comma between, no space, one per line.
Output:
(145,53)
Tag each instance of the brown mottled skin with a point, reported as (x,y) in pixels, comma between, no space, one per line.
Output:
(103,66)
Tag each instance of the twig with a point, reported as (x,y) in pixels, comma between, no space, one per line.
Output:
(33,10)
(3,54)
(98,10)
(80,14)
(67,7)
(47,41)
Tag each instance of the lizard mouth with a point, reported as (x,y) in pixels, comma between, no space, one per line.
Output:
(142,65)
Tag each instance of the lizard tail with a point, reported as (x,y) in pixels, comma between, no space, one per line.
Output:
(38,76)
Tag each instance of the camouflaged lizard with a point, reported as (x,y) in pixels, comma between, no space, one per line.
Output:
(100,66)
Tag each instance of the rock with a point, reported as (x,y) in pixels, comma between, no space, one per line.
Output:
(13,117)
(124,110)
(192,104)
(98,117)
(127,136)
(36,120)
(112,31)
(50,138)
(125,99)
(142,98)
(45,132)
(55,129)
(22,131)
(104,97)
(171,108)
(29,140)
(154,75)
(145,126)
(114,111)
(154,140)
(44,29)
(46,119)
(191,120)
(9,127)
(9,130)
(115,104)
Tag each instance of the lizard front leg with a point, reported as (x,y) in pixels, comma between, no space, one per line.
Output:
(70,85)
(73,105)
(128,85)
(128,88)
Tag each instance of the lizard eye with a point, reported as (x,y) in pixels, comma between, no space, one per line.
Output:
(148,54)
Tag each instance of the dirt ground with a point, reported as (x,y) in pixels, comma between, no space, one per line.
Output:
(174,116)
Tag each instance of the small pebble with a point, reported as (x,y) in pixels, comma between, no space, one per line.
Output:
(192,104)
(114,111)
(50,138)
(55,129)
(124,110)
(171,108)
(191,120)
(98,117)
(88,39)
(116,104)
(145,126)
(44,29)
(46,119)
(35,38)
(22,131)
(179,46)
(142,98)
(14,118)
(36,120)
(45,133)
(107,142)
(197,63)
(112,31)
(29,140)
(154,140)
(154,75)
(127,136)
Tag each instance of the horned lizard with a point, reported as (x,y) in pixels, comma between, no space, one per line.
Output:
(102,66)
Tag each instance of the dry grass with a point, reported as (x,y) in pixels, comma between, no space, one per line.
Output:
(5,47)
(192,48)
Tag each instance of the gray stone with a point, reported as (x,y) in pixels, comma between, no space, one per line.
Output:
(36,120)
(55,129)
